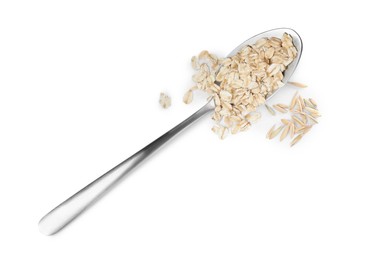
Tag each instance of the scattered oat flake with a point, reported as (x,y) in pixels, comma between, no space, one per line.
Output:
(293,101)
(223,133)
(292,130)
(195,63)
(296,140)
(253,117)
(304,118)
(270,132)
(299,103)
(279,108)
(165,100)
(235,129)
(297,120)
(187,98)
(312,110)
(307,129)
(270,110)
(307,103)
(315,115)
(282,106)
(244,126)
(297,84)
(204,55)
(276,132)
(219,130)
(312,119)
(285,132)
(313,102)
(215,128)
(299,130)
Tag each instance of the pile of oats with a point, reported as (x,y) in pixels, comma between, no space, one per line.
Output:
(241,83)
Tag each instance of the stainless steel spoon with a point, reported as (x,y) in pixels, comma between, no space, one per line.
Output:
(68,210)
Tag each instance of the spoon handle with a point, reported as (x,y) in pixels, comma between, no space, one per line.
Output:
(68,210)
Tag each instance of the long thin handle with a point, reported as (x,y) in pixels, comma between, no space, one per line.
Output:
(68,210)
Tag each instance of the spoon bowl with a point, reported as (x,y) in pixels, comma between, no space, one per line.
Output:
(297,41)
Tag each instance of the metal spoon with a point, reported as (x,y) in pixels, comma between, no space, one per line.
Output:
(68,210)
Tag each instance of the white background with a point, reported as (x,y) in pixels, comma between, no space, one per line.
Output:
(79,89)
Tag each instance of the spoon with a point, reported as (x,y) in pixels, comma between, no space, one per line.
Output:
(68,210)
